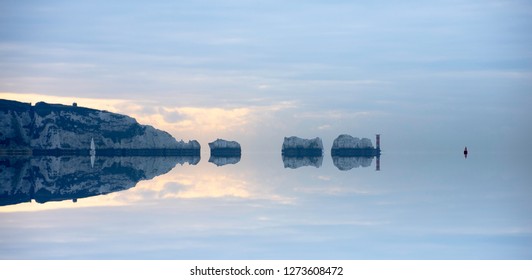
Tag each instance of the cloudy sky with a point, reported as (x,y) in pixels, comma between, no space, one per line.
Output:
(439,74)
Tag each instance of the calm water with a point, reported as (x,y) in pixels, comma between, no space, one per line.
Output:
(418,206)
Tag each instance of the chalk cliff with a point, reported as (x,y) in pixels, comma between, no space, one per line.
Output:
(53,126)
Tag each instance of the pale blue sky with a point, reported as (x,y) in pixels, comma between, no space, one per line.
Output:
(454,70)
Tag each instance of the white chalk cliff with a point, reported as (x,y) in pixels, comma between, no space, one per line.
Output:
(53,126)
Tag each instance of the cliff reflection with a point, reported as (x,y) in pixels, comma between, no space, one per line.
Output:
(44,179)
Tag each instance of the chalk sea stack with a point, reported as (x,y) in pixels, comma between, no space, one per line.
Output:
(349,146)
(298,147)
(224,148)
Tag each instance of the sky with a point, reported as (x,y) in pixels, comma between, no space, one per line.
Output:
(433,75)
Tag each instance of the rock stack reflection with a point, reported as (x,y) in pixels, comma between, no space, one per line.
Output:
(348,163)
(296,162)
(44,179)
(224,160)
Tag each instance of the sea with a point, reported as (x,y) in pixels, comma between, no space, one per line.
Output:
(402,205)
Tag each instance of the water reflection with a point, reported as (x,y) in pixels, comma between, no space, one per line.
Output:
(348,163)
(345,163)
(260,210)
(297,162)
(224,160)
(46,179)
